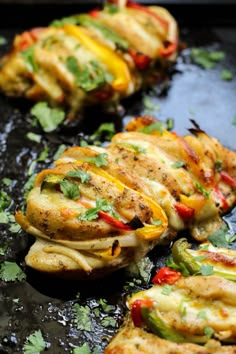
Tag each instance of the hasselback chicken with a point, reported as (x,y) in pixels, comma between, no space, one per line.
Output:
(93,58)
(176,315)
(100,208)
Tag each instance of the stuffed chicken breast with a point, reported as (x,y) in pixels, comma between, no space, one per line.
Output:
(99,208)
(177,314)
(92,58)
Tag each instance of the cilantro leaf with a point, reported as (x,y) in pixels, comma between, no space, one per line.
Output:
(158,126)
(226,75)
(99,160)
(34,137)
(178,164)
(82,317)
(34,343)
(105,130)
(136,148)
(202,190)
(10,271)
(206,269)
(202,315)
(105,306)
(5,200)
(205,58)
(70,189)
(92,213)
(28,56)
(109,321)
(84,349)
(222,237)
(76,173)
(49,118)
(59,151)
(208,331)
(166,290)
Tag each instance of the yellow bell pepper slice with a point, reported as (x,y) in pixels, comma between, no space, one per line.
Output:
(148,232)
(117,67)
(196,201)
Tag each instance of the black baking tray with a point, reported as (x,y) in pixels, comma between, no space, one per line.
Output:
(44,303)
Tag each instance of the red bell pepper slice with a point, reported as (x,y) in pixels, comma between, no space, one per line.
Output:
(166,275)
(169,49)
(228,179)
(94,13)
(136,310)
(184,211)
(113,222)
(141,60)
(133,5)
(221,198)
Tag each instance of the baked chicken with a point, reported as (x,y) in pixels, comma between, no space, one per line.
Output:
(92,58)
(177,318)
(100,208)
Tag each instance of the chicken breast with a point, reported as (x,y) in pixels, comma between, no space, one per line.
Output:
(95,58)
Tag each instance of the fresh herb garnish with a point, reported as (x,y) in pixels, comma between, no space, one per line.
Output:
(104,131)
(180,267)
(59,151)
(10,271)
(226,75)
(82,317)
(202,315)
(206,269)
(111,8)
(42,158)
(89,76)
(92,213)
(34,343)
(105,306)
(29,185)
(202,190)
(156,222)
(84,349)
(166,290)
(5,200)
(222,237)
(141,269)
(3,40)
(72,20)
(205,58)
(69,189)
(109,321)
(178,164)
(49,118)
(99,160)
(208,331)
(28,56)
(82,175)
(150,106)
(136,148)
(157,126)
(34,137)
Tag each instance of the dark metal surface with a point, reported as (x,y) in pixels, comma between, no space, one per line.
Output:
(43,303)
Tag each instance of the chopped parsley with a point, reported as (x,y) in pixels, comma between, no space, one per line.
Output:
(34,137)
(136,148)
(76,173)
(59,151)
(109,321)
(157,126)
(10,271)
(205,58)
(90,75)
(222,237)
(69,189)
(48,118)
(202,190)
(82,317)
(166,290)
(84,349)
(5,200)
(34,343)
(141,269)
(42,157)
(226,75)
(28,56)
(3,40)
(206,269)
(104,131)
(178,164)
(105,306)
(208,331)
(29,185)
(92,213)
(156,222)
(99,160)
(202,315)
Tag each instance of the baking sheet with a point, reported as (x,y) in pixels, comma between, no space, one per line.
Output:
(44,303)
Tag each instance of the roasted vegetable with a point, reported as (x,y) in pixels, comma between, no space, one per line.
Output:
(222,261)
